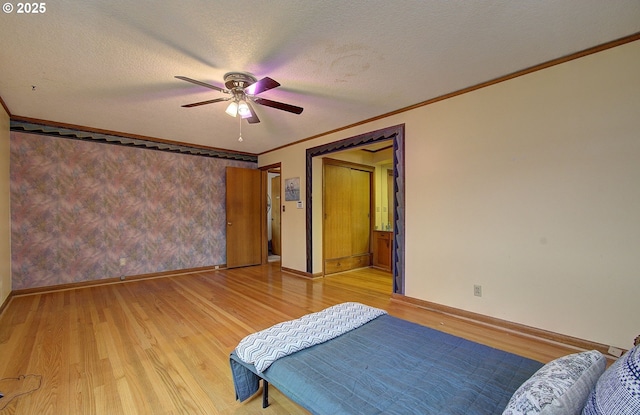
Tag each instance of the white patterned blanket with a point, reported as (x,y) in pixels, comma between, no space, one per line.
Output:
(265,347)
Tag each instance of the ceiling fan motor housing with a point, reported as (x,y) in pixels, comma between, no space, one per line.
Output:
(238,80)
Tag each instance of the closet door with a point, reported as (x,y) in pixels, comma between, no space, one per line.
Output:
(337,211)
(347,216)
(360,212)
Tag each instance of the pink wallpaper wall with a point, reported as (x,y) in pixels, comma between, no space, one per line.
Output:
(78,207)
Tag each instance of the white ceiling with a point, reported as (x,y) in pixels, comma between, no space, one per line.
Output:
(111,64)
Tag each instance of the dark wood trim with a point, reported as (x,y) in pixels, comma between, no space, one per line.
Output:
(111,139)
(563,59)
(115,280)
(505,325)
(120,134)
(4,105)
(272,167)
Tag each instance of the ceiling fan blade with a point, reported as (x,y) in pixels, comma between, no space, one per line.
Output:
(193,81)
(253,119)
(211,101)
(278,105)
(262,85)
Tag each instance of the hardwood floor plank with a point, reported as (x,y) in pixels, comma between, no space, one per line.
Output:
(161,345)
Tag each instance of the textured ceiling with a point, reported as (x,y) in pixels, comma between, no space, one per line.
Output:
(111,65)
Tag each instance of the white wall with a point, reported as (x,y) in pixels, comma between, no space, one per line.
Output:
(530,188)
(5,212)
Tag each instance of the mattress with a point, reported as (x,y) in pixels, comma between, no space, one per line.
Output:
(393,366)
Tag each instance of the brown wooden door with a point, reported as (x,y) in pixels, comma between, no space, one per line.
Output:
(360,212)
(244,217)
(337,211)
(382,242)
(275,215)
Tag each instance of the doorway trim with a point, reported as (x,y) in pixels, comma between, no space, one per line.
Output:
(395,133)
(274,168)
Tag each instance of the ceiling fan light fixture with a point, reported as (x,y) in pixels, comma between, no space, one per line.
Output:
(243,87)
(243,109)
(232,109)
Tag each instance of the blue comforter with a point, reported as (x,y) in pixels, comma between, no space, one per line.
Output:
(393,366)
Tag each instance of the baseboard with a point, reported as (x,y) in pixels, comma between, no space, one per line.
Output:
(300,273)
(539,334)
(115,280)
(6,302)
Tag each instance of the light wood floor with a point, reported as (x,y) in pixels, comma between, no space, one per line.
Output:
(161,345)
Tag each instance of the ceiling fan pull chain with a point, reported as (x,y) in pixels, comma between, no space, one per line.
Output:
(240,138)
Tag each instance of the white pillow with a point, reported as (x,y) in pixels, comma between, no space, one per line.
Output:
(560,387)
(618,390)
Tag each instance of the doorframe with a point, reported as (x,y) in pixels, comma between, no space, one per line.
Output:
(397,134)
(275,167)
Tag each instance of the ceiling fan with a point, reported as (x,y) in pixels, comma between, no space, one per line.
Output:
(243,89)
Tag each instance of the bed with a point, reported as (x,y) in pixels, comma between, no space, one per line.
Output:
(381,364)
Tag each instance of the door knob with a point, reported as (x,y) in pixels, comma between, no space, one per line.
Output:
(229,223)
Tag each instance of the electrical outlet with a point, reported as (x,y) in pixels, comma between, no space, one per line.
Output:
(614,351)
(123,262)
(477,290)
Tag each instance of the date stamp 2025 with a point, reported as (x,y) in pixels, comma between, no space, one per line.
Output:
(25,8)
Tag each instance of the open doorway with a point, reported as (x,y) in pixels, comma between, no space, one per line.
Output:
(273,214)
(395,134)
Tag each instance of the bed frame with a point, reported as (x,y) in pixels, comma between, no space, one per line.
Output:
(391,365)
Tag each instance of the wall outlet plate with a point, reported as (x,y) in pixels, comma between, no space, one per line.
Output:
(477,290)
(614,351)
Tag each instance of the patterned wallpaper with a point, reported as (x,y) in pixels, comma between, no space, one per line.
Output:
(78,207)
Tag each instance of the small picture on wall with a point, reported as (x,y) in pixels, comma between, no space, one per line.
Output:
(292,189)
